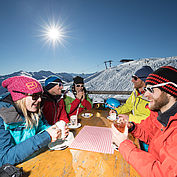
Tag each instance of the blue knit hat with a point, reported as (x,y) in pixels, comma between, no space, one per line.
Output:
(48,82)
(143,72)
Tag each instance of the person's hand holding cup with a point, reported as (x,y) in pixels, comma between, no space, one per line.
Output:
(120,124)
(64,129)
(119,131)
(54,133)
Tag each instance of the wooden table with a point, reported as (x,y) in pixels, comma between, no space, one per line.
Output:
(79,163)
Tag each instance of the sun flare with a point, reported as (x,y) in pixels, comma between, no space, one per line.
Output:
(53,33)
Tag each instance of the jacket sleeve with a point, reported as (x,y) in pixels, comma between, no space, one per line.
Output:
(146,164)
(71,104)
(63,114)
(128,106)
(87,103)
(143,131)
(15,153)
(141,116)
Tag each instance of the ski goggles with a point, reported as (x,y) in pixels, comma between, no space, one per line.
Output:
(35,96)
(57,83)
(79,85)
(136,78)
(150,89)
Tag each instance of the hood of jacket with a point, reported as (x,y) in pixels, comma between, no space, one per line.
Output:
(8,111)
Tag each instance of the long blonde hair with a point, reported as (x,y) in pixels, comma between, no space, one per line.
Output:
(31,118)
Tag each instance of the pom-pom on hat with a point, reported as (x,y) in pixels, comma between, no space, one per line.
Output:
(51,82)
(78,80)
(162,75)
(143,72)
(22,84)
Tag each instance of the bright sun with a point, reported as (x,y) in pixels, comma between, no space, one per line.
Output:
(53,34)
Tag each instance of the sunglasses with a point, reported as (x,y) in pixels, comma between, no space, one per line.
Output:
(35,96)
(57,83)
(79,85)
(136,78)
(150,89)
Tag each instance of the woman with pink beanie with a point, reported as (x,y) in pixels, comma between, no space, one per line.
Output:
(23,129)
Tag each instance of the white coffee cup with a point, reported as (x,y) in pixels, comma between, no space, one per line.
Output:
(61,125)
(73,120)
(113,116)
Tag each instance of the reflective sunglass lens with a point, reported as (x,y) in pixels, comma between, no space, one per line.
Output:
(149,89)
(79,85)
(135,78)
(145,89)
(60,84)
(35,96)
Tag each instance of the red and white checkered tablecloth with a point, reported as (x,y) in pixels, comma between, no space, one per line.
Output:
(96,139)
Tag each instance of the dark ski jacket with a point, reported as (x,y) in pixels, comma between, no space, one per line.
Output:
(53,108)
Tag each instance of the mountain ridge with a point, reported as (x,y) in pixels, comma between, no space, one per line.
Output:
(117,78)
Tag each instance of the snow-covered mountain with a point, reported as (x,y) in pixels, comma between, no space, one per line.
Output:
(41,76)
(118,78)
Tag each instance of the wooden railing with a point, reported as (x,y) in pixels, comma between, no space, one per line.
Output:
(122,100)
(109,92)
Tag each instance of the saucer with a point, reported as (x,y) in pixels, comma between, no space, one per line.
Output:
(62,144)
(87,115)
(110,118)
(72,126)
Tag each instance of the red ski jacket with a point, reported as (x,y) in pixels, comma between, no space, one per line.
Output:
(161,158)
(72,104)
(54,110)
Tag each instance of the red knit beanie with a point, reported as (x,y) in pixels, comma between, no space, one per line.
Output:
(22,84)
(162,75)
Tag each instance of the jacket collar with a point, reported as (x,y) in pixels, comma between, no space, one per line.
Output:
(47,96)
(163,118)
(140,95)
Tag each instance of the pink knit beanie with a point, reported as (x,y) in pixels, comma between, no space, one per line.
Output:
(23,84)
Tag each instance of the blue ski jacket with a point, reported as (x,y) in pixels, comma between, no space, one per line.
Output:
(17,142)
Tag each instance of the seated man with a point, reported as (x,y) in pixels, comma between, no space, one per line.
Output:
(159,130)
(77,100)
(136,105)
(52,103)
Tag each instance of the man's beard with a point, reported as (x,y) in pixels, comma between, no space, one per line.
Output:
(159,102)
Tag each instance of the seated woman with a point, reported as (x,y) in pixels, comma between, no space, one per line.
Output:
(23,130)
(77,100)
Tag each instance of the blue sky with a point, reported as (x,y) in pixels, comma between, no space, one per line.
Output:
(96,31)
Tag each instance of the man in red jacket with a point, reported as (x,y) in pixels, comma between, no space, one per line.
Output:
(53,104)
(159,130)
